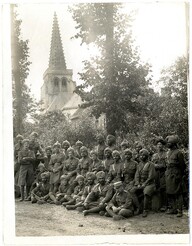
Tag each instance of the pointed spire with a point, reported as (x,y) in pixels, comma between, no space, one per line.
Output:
(56,58)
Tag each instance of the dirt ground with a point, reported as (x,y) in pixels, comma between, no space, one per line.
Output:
(52,220)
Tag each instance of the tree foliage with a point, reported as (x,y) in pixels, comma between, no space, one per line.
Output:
(23,103)
(118,79)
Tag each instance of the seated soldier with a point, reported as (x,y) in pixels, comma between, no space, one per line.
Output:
(41,169)
(115,171)
(121,205)
(84,162)
(98,198)
(96,164)
(145,179)
(78,192)
(70,166)
(90,178)
(78,146)
(108,160)
(40,194)
(64,192)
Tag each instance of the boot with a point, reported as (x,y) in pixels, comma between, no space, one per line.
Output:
(144,213)
(70,207)
(22,193)
(179,213)
(28,197)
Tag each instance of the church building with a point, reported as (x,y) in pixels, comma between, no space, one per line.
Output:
(57,91)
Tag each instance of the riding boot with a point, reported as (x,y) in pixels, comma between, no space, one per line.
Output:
(22,193)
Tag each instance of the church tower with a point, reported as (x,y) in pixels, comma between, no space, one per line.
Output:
(58,86)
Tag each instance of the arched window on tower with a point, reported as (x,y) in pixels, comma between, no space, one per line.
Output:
(64,84)
(56,84)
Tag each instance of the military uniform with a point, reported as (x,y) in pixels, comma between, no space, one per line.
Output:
(41,192)
(96,166)
(115,172)
(70,168)
(84,165)
(106,164)
(128,172)
(55,167)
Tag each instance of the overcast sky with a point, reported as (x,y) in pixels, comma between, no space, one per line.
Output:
(159,29)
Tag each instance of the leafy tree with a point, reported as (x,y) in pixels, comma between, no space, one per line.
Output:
(116,78)
(22,101)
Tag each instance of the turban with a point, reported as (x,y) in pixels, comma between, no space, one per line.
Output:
(34,134)
(107,150)
(57,144)
(115,152)
(45,175)
(144,151)
(66,143)
(79,143)
(127,151)
(93,152)
(172,139)
(65,177)
(83,148)
(100,174)
(19,137)
(125,143)
(79,177)
(25,141)
(118,184)
(71,149)
(90,175)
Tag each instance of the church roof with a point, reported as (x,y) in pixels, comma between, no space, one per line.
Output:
(56,58)
(73,102)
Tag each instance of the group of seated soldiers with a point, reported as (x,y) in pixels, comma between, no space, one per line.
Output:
(115,181)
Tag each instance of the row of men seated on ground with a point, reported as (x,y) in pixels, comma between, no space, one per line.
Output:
(142,178)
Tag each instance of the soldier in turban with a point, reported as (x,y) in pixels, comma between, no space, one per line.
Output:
(84,162)
(115,170)
(101,146)
(96,164)
(108,161)
(173,176)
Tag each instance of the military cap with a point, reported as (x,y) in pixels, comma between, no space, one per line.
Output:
(160,140)
(172,139)
(34,134)
(107,149)
(25,141)
(144,151)
(100,174)
(83,148)
(128,151)
(57,144)
(125,143)
(65,142)
(41,165)
(90,175)
(66,177)
(118,184)
(19,137)
(79,143)
(116,152)
(79,177)
(70,149)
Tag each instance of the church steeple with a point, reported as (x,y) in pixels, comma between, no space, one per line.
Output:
(56,58)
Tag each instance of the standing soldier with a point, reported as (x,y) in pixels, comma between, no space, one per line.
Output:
(17,148)
(124,145)
(115,171)
(108,160)
(65,146)
(47,158)
(136,155)
(35,146)
(84,162)
(98,198)
(101,146)
(55,167)
(121,205)
(26,172)
(173,176)
(145,179)
(111,142)
(160,161)
(78,146)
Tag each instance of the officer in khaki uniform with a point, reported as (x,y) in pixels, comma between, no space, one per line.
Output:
(121,205)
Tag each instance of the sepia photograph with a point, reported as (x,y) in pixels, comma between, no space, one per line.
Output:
(96,96)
